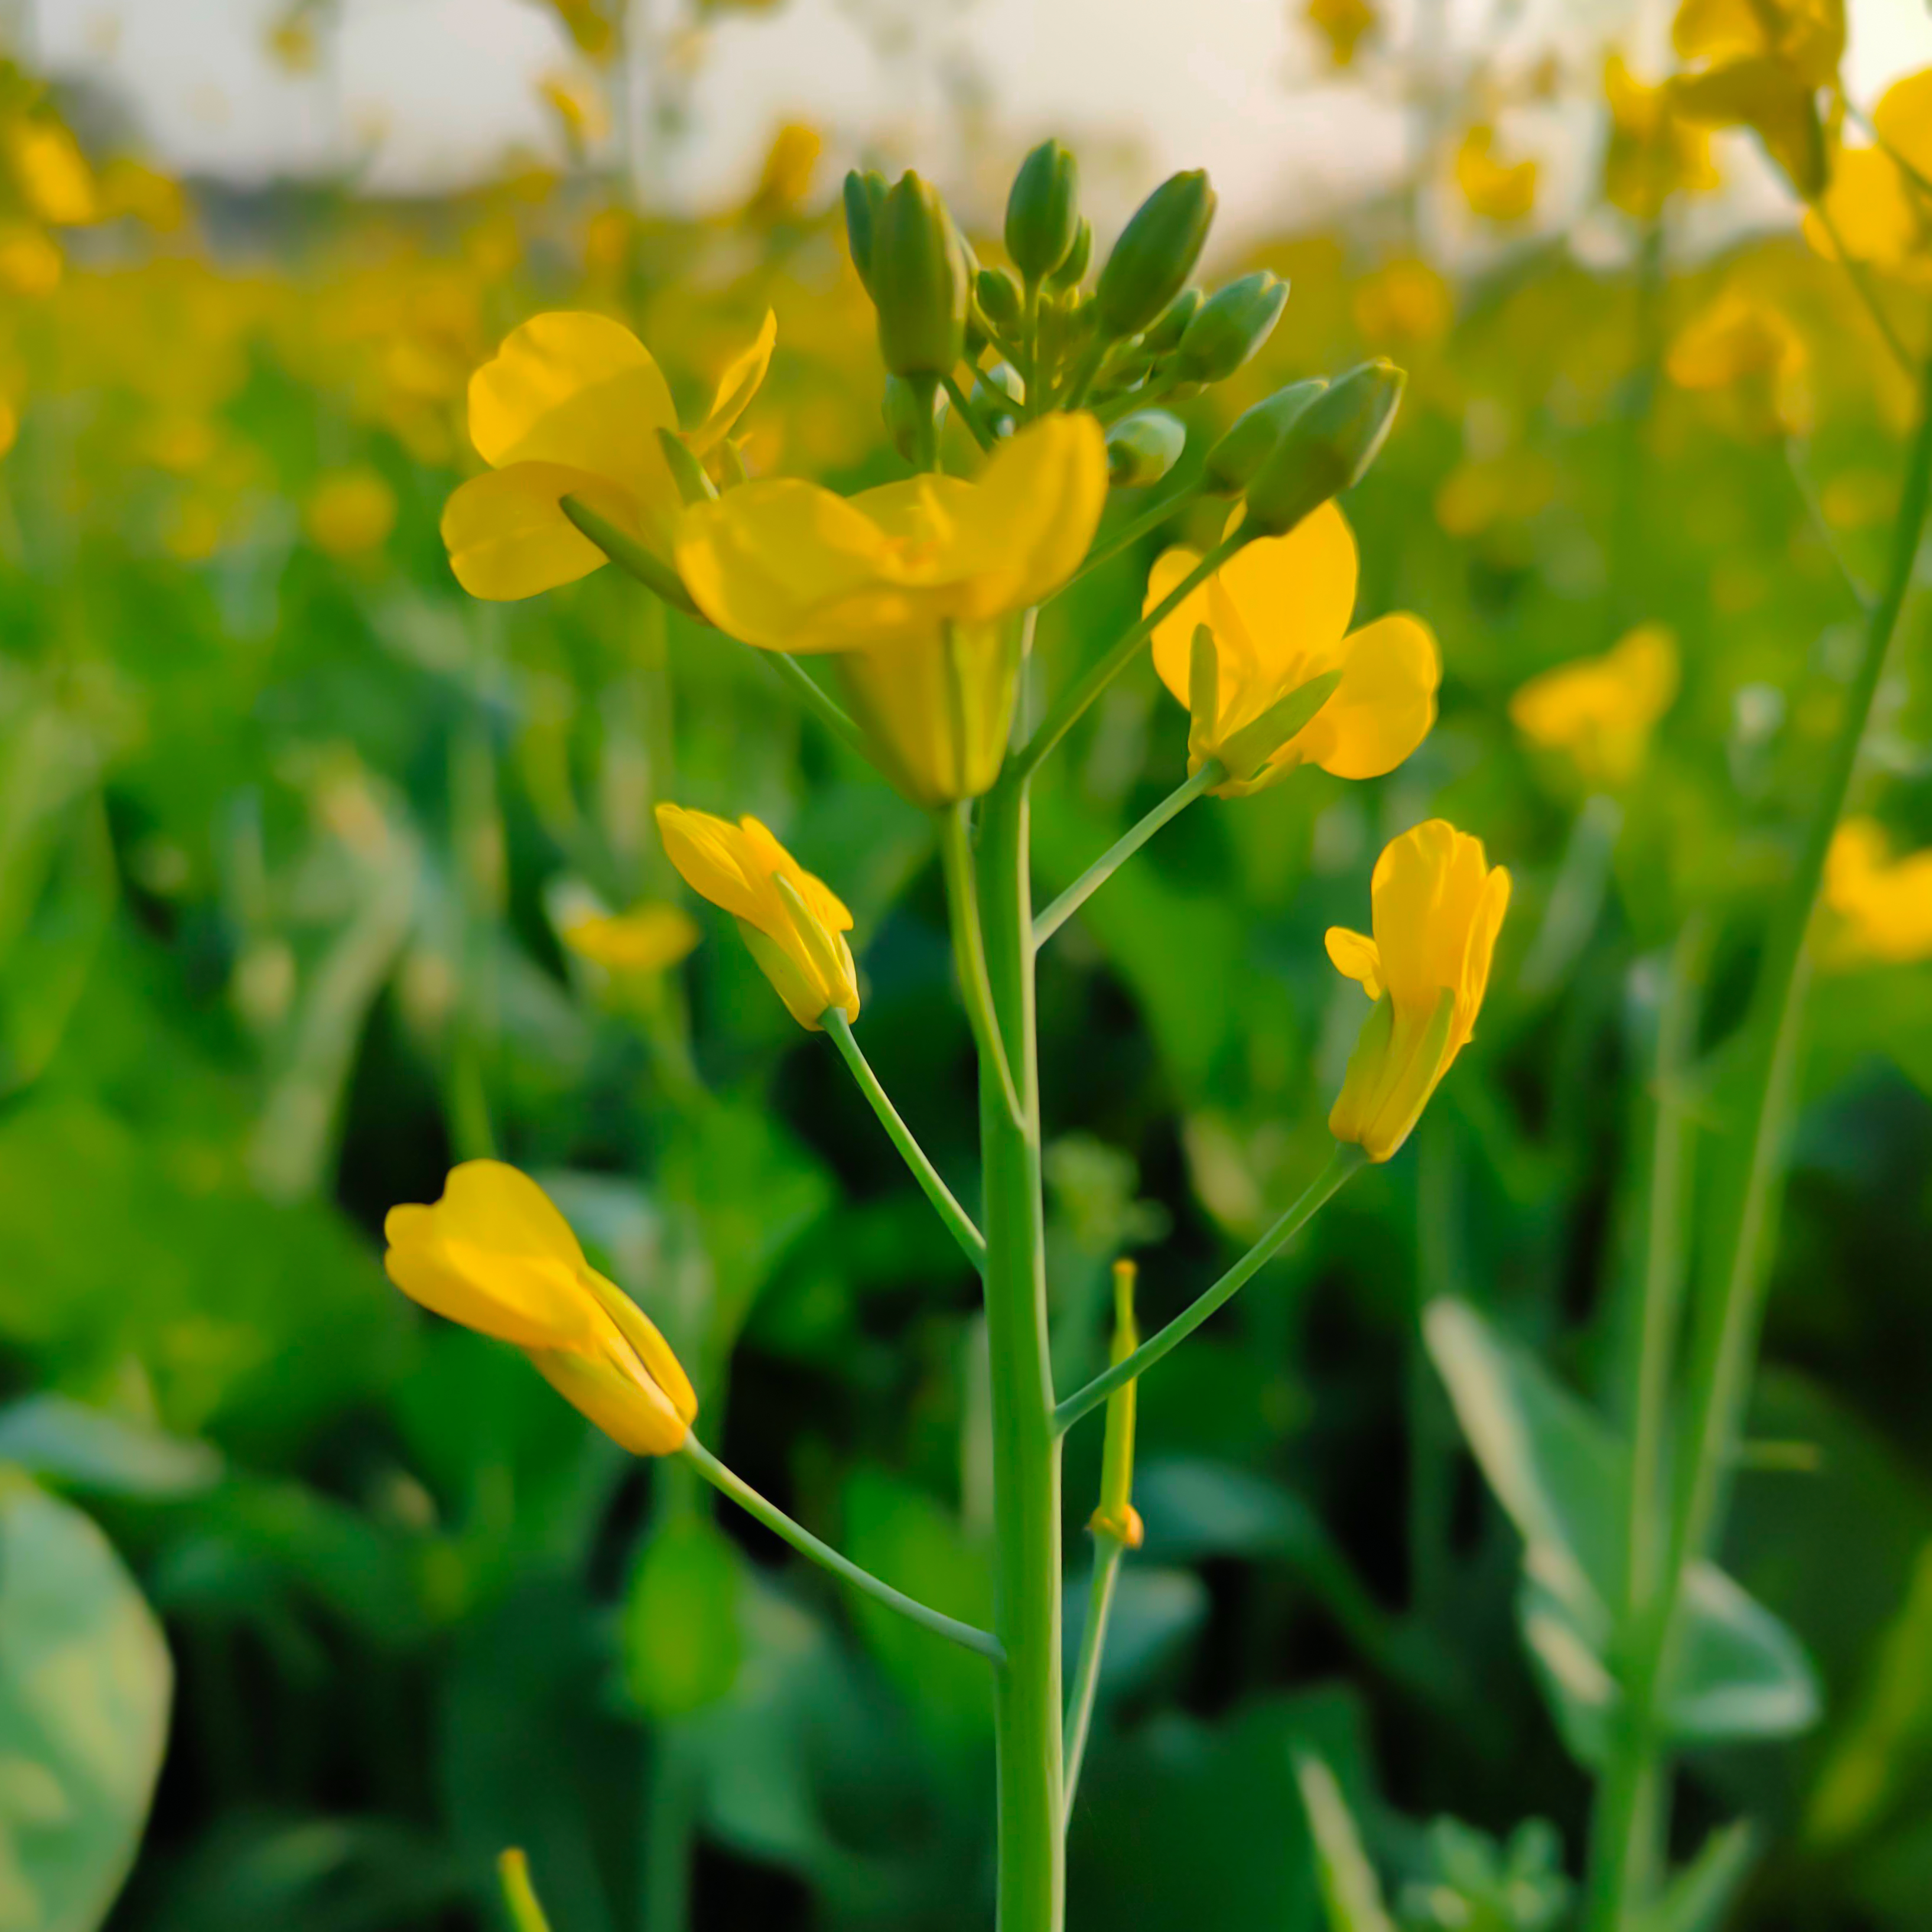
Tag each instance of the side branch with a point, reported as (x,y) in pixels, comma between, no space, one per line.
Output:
(1348,1159)
(968,1636)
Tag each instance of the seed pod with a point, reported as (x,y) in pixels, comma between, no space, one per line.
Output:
(1043,211)
(1230,326)
(919,281)
(1328,448)
(1141,448)
(1156,253)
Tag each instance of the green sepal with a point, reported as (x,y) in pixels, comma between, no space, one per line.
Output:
(686,472)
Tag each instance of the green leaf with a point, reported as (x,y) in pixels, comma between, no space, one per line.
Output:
(1697,1898)
(65,1442)
(1350,1890)
(1561,1477)
(682,1644)
(85,1688)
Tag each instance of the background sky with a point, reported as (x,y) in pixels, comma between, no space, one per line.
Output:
(424,94)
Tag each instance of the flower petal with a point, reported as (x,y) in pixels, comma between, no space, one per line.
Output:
(507,535)
(1354,956)
(743,376)
(1384,705)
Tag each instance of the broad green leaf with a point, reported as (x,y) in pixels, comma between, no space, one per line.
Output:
(1350,1892)
(683,1646)
(67,1443)
(1697,1898)
(85,1687)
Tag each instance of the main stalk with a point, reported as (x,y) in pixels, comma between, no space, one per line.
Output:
(1026,1448)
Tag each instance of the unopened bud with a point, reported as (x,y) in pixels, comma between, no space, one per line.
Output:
(1249,440)
(1327,449)
(914,409)
(919,279)
(1141,448)
(865,196)
(1231,326)
(1156,253)
(1165,331)
(999,298)
(1043,211)
(1070,273)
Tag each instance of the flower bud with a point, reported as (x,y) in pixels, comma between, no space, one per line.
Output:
(1165,331)
(998,296)
(1141,448)
(1156,253)
(865,195)
(1042,214)
(1327,449)
(1070,273)
(919,279)
(1230,326)
(915,412)
(1249,440)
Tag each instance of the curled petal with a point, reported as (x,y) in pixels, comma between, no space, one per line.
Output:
(507,535)
(743,377)
(1354,956)
(1384,705)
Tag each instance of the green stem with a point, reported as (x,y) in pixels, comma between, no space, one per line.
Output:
(630,555)
(1823,529)
(968,414)
(1123,849)
(1348,1159)
(1026,1450)
(520,1898)
(670,1804)
(1092,1643)
(1860,280)
(802,1539)
(1064,715)
(958,1223)
(813,696)
(1725,1343)
(1131,532)
(969,952)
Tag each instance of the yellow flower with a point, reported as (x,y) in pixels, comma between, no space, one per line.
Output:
(55,179)
(646,939)
(30,259)
(785,179)
(1600,711)
(912,585)
(1653,152)
(1743,344)
(1880,213)
(1879,908)
(350,511)
(794,924)
(1278,612)
(1496,191)
(495,1255)
(1404,301)
(1343,25)
(1437,907)
(578,103)
(571,406)
(1759,63)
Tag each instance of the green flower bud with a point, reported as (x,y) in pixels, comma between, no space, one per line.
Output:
(1141,448)
(865,196)
(915,412)
(1167,328)
(1043,211)
(1328,448)
(997,394)
(1231,326)
(999,298)
(1250,440)
(1069,273)
(919,280)
(1156,253)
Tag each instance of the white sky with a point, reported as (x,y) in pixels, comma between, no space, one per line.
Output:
(435,91)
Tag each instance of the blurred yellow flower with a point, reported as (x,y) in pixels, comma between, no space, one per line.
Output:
(912,584)
(571,406)
(292,44)
(1879,909)
(1481,492)
(1601,711)
(1881,214)
(1438,906)
(577,100)
(1740,342)
(54,177)
(1494,189)
(1653,151)
(1277,612)
(350,511)
(646,939)
(30,260)
(1403,301)
(785,179)
(1343,24)
(9,425)
(1759,63)
(1858,500)
(131,187)
(794,924)
(495,1255)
